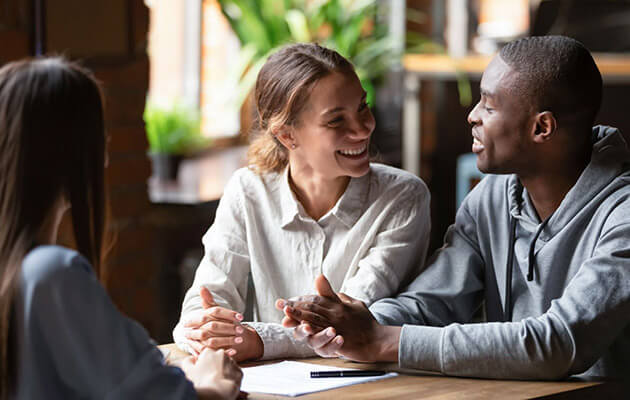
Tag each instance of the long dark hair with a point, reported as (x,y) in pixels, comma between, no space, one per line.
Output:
(52,144)
(282,89)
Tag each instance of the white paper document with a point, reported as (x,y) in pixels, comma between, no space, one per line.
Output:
(292,378)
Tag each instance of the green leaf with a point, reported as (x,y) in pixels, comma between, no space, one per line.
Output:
(174,130)
(247,23)
(298,25)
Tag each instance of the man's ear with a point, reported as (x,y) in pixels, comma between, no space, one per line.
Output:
(285,136)
(546,126)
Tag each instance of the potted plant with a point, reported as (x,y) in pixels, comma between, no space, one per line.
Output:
(173,133)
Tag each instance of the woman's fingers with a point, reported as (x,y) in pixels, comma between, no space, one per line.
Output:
(222,342)
(289,322)
(305,330)
(326,343)
(214,329)
(322,338)
(225,314)
(201,317)
(195,346)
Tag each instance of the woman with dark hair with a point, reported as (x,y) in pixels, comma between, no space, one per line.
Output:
(311,202)
(60,334)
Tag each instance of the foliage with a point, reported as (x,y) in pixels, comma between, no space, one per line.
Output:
(349,26)
(173,130)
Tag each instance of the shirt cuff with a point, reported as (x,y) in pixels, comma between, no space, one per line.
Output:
(278,341)
(180,338)
(420,347)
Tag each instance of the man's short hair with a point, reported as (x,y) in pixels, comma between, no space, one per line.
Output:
(558,74)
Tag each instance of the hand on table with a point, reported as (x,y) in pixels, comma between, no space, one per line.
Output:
(338,325)
(217,327)
(214,374)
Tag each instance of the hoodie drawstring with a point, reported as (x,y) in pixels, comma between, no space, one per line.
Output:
(507,306)
(532,248)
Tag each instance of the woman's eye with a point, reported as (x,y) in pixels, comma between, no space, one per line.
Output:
(489,109)
(335,121)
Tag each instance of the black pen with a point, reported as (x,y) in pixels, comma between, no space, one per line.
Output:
(352,373)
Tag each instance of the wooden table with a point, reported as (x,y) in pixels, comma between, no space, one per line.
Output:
(615,68)
(427,385)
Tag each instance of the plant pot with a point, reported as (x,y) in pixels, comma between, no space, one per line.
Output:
(165,166)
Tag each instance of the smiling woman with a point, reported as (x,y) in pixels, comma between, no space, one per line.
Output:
(309,203)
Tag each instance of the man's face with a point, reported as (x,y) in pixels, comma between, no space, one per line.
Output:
(501,122)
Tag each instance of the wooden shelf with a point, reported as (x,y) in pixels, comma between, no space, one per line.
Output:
(201,179)
(614,67)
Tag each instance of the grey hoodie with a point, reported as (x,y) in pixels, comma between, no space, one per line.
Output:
(572,317)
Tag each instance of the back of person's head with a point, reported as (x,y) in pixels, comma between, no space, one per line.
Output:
(282,90)
(556,74)
(52,145)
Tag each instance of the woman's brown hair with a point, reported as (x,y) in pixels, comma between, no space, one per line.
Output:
(52,144)
(282,89)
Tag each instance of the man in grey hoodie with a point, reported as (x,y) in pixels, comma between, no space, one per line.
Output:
(543,242)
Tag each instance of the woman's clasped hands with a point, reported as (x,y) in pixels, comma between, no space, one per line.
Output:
(217,327)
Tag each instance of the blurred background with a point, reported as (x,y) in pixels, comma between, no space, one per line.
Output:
(177,76)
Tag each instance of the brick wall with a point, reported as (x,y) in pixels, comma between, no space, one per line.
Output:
(110,37)
(131,273)
(14,30)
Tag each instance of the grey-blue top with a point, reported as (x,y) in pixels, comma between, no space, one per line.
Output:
(74,343)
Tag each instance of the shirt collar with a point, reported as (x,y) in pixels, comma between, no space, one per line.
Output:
(348,208)
(289,204)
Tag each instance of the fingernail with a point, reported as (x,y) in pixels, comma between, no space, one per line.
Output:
(239,317)
(329,332)
(281,303)
(239,329)
(339,340)
(231,352)
(238,339)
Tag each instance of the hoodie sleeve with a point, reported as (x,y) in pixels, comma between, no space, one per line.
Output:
(567,339)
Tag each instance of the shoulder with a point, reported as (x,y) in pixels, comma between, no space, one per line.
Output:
(53,263)
(616,205)
(490,191)
(251,184)
(393,181)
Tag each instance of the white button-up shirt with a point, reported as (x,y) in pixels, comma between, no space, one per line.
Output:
(373,241)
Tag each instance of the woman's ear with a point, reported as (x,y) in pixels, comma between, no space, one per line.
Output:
(546,126)
(285,136)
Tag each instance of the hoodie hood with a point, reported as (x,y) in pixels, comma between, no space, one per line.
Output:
(610,159)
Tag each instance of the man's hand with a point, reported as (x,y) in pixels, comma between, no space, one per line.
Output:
(217,327)
(336,324)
